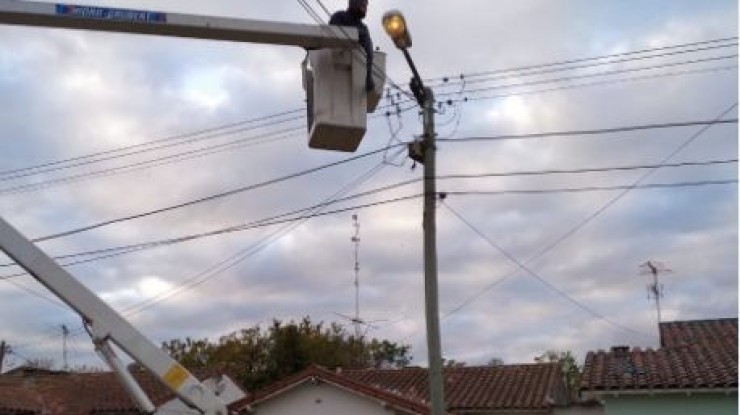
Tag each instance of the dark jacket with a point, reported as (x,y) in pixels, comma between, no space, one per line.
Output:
(348,18)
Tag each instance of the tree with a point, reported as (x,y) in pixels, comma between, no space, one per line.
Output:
(495,361)
(256,357)
(568,364)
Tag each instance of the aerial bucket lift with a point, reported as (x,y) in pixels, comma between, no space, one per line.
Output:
(337,101)
(337,106)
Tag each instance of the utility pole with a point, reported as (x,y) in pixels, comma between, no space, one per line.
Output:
(356,241)
(3,348)
(65,333)
(431,294)
(424,152)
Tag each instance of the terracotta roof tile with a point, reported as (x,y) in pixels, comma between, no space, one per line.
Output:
(697,355)
(394,400)
(512,387)
(713,332)
(75,393)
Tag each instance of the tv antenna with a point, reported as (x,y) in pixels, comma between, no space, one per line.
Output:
(65,335)
(356,241)
(654,290)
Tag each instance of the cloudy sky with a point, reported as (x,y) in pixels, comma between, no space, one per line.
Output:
(98,127)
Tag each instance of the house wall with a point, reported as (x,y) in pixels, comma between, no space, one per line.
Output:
(673,404)
(579,410)
(320,399)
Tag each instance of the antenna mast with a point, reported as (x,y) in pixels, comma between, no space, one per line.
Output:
(356,241)
(655,290)
(65,333)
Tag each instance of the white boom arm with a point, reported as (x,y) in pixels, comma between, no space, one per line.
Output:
(28,13)
(105,324)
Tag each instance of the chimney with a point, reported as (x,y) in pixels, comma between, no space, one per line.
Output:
(620,351)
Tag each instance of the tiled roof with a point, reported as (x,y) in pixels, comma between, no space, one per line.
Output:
(74,393)
(506,387)
(717,332)
(697,355)
(393,400)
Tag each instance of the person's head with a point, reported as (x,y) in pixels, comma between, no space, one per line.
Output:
(358,7)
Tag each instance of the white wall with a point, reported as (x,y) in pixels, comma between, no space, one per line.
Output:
(578,410)
(320,399)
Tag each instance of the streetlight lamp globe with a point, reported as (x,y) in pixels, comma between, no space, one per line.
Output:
(395,25)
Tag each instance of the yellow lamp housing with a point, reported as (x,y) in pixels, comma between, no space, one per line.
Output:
(395,25)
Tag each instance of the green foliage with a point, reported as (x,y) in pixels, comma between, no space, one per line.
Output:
(568,364)
(257,356)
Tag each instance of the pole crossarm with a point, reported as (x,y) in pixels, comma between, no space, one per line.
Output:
(29,13)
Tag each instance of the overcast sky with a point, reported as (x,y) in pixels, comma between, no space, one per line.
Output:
(68,94)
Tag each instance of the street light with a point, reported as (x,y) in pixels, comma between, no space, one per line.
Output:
(395,25)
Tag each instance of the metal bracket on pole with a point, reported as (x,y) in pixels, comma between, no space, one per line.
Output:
(416,151)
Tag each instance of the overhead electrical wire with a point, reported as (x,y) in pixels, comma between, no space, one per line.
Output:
(598,74)
(160,161)
(212,197)
(538,277)
(596,214)
(207,150)
(599,131)
(596,84)
(184,138)
(466,78)
(354,158)
(87,157)
(733,39)
(628,53)
(289,216)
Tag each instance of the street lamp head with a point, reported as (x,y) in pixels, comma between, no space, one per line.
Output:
(395,25)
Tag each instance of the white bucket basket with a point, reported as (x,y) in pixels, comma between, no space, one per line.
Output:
(337,99)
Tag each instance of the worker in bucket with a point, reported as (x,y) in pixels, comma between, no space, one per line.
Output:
(356,11)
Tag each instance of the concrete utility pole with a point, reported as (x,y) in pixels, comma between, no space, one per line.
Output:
(395,25)
(2,354)
(65,333)
(431,294)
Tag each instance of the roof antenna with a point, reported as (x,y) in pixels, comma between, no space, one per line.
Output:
(356,241)
(654,290)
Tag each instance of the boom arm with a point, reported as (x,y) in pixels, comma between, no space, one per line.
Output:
(106,324)
(28,13)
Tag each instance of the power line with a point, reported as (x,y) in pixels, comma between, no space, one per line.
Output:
(486,79)
(227,146)
(599,131)
(136,147)
(232,261)
(164,160)
(589,188)
(587,59)
(599,74)
(354,158)
(284,218)
(211,197)
(117,251)
(537,276)
(600,83)
(548,248)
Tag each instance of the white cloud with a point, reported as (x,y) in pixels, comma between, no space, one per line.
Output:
(67,94)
